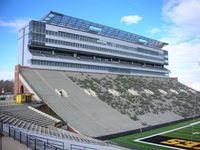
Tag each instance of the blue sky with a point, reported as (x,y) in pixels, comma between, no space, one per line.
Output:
(173,21)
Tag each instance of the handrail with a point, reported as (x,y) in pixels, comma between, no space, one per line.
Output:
(45,143)
(33,137)
(43,134)
(79,147)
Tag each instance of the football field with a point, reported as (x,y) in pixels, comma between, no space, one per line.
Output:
(181,136)
(190,133)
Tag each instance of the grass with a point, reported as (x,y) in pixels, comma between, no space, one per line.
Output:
(183,133)
(186,133)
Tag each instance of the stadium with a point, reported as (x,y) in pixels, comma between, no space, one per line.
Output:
(80,85)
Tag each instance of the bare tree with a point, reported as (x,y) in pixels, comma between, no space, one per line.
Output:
(7,86)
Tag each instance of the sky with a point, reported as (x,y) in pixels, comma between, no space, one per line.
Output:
(176,22)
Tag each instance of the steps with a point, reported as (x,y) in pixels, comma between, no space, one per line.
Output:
(51,132)
(24,112)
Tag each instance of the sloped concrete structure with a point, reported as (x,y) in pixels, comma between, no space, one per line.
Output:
(106,114)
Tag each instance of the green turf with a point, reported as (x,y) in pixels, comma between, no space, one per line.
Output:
(129,139)
(186,133)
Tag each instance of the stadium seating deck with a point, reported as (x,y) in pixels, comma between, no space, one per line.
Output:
(50,131)
(154,95)
(158,100)
(85,113)
(25,113)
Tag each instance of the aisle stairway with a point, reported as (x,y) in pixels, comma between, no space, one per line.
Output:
(52,131)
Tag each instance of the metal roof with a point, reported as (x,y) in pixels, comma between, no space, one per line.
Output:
(58,19)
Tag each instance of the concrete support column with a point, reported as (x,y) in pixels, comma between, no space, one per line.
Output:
(75,54)
(16,82)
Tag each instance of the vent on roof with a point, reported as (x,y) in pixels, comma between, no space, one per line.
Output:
(94,29)
(142,41)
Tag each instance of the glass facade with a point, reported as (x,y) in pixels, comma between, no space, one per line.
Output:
(97,41)
(93,67)
(84,25)
(90,47)
(58,37)
(37,33)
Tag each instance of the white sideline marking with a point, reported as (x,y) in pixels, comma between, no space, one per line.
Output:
(160,145)
(139,140)
(196,133)
(194,123)
(169,131)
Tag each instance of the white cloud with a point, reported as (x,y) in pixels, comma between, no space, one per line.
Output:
(183,17)
(183,62)
(155,30)
(132,19)
(183,12)
(182,32)
(184,57)
(184,53)
(15,24)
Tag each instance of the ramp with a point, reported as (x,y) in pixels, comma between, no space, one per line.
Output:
(87,114)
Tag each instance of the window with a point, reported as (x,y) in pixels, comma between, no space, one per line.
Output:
(98,41)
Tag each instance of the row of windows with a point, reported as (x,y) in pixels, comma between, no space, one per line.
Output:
(78,45)
(71,36)
(97,41)
(86,57)
(68,65)
(91,58)
(91,67)
(37,37)
(38,27)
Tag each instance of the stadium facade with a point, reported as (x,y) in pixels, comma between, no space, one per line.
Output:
(63,42)
(86,73)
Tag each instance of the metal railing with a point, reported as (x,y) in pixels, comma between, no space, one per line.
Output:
(31,141)
(79,147)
